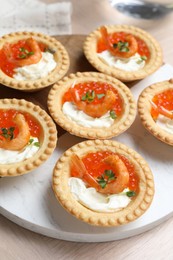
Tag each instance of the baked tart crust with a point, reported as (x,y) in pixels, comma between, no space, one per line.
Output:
(47,139)
(144,108)
(120,125)
(59,53)
(155,60)
(131,212)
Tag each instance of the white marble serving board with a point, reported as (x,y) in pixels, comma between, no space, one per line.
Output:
(29,200)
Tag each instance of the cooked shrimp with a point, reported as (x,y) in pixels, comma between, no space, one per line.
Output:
(122,176)
(78,165)
(105,36)
(126,49)
(163,111)
(7,51)
(94,110)
(21,140)
(115,186)
(32,57)
(126,52)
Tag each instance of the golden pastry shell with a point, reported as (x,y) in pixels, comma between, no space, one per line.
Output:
(55,106)
(151,66)
(136,207)
(144,108)
(61,57)
(48,137)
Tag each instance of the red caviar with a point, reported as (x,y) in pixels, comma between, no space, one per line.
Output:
(164,99)
(95,166)
(16,51)
(6,121)
(116,37)
(99,88)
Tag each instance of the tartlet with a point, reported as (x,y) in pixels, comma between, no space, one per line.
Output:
(28,137)
(67,196)
(146,47)
(155,107)
(23,45)
(90,83)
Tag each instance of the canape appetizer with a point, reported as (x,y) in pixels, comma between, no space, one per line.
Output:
(92,105)
(103,183)
(125,52)
(27,136)
(155,106)
(31,61)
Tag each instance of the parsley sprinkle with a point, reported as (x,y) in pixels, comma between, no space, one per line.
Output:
(106,178)
(122,46)
(24,53)
(112,114)
(99,96)
(102,182)
(142,58)
(8,133)
(89,96)
(31,141)
(131,193)
(37,144)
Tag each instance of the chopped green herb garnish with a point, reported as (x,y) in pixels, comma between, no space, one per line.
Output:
(102,182)
(99,96)
(8,133)
(89,96)
(142,58)
(22,49)
(24,53)
(37,144)
(31,141)
(112,114)
(110,174)
(122,46)
(22,56)
(131,193)
(106,178)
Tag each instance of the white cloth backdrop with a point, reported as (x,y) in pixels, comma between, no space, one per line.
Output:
(34,15)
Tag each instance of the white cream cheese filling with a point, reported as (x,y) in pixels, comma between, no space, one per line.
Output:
(165,123)
(78,116)
(133,63)
(96,201)
(38,70)
(8,156)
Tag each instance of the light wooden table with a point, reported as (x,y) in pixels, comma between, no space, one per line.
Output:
(17,243)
